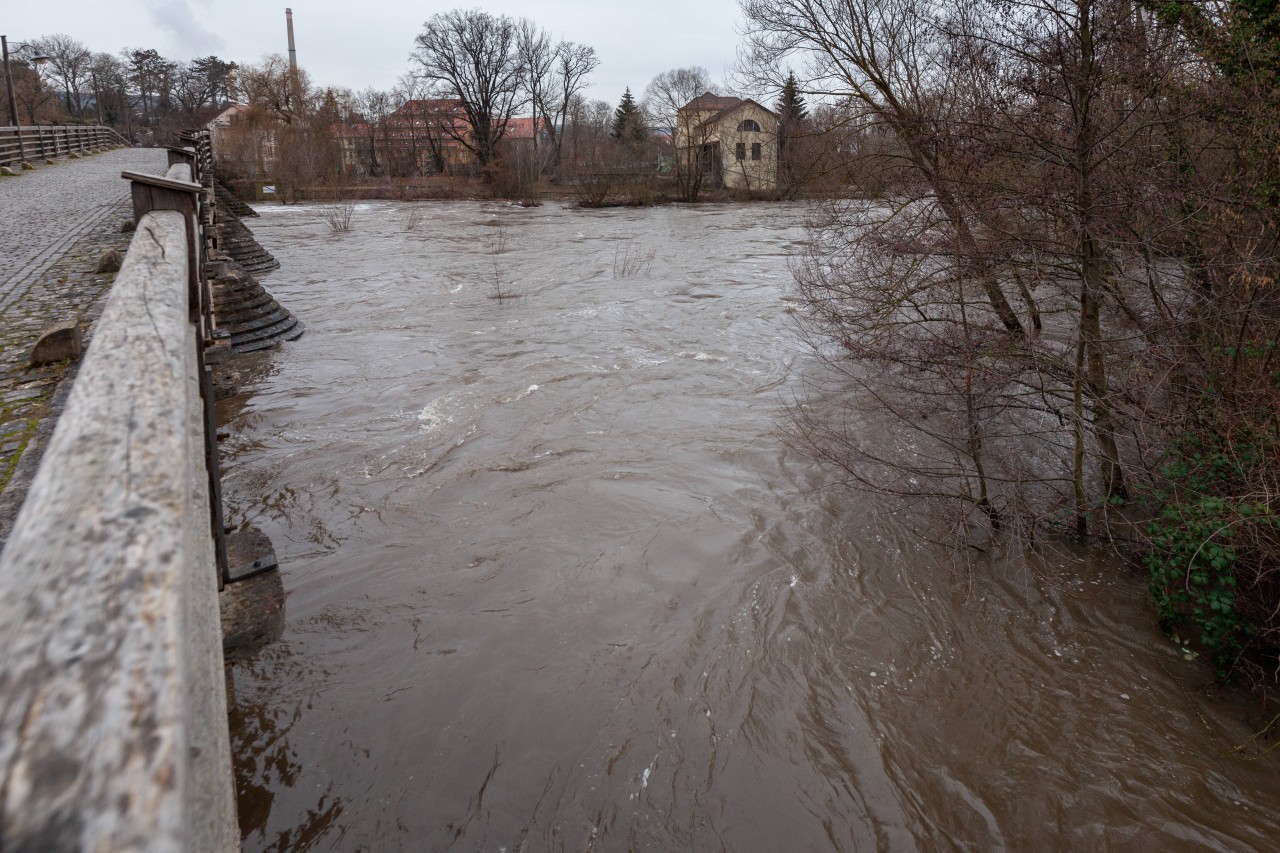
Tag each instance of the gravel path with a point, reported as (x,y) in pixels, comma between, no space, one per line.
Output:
(54,223)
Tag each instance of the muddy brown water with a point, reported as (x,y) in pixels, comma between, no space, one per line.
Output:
(556,583)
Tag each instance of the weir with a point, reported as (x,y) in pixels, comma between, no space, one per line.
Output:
(113,717)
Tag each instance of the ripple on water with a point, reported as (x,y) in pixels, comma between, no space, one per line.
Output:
(555,580)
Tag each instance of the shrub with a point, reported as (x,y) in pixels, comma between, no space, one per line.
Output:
(338,215)
(1214,545)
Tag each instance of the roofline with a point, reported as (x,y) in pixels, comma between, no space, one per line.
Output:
(715,117)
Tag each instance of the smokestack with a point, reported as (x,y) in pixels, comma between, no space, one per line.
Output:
(293,53)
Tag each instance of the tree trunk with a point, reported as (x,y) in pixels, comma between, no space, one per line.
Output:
(1092,264)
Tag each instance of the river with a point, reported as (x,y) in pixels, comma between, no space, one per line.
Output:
(556,581)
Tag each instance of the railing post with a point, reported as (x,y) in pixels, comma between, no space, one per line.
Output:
(187,156)
(152,192)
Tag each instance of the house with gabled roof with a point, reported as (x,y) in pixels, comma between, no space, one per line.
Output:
(427,136)
(735,141)
(421,136)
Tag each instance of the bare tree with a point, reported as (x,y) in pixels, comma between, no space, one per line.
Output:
(411,94)
(445,119)
(429,121)
(475,55)
(832,152)
(890,58)
(70,62)
(191,88)
(1007,121)
(32,96)
(109,79)
(1088,119)
(274,88)
(375,106)
(1111,167)
(893,288)
(665,100)
(537,57)
(573,63)
(287,130)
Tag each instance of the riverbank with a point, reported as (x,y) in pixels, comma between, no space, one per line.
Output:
(656,191)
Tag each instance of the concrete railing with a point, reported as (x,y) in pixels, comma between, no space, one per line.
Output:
(113,716)
(19,144)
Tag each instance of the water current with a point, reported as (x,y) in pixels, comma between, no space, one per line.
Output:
(556,582)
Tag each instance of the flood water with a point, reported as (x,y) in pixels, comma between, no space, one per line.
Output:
(556,582)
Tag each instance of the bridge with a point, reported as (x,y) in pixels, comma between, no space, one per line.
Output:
(118,588)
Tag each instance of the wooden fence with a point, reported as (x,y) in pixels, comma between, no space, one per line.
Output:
(113,713)
(28,143)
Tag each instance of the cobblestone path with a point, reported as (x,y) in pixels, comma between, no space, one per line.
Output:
(54,223)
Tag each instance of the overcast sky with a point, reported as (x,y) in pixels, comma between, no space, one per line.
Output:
(359,44)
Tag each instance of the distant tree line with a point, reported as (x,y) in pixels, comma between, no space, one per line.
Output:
(471,74)
(137,91)
(472,77)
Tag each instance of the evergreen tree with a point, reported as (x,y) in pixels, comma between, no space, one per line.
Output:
(792,113)
(792,109)
(216,75)
(628,121)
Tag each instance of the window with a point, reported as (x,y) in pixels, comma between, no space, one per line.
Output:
(740,151)
(748,125)
(755,151)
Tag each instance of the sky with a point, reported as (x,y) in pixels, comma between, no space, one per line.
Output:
(370,46)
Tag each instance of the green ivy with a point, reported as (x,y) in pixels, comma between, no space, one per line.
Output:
(1192,559)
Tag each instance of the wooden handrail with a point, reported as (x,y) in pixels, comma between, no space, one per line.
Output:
(113,713)
(178,190)
(113,710)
